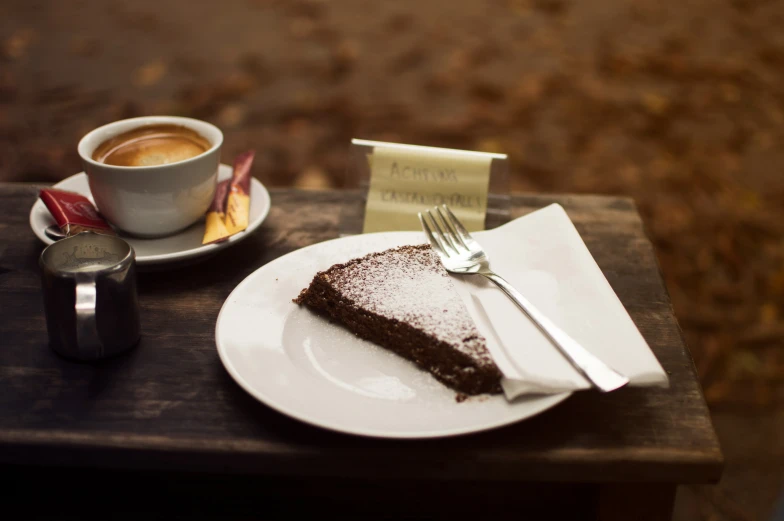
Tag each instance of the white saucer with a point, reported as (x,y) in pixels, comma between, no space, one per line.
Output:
(180,248)
(304,366)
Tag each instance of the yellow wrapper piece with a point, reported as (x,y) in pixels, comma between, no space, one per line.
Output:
(237,212)
(214,229)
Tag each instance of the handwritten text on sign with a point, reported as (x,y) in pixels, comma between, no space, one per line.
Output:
(404,182)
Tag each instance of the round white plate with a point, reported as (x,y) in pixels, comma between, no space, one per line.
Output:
(302,365)
(176,249)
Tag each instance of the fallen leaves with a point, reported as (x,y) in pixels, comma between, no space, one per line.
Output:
(655,103)
(343,57)
(313,178)
(232,115)
(15,47)
(149,74)
(85,47)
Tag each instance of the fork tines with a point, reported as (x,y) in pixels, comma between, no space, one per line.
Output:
(446,233)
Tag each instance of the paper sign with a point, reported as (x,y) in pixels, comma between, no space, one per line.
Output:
(406,181)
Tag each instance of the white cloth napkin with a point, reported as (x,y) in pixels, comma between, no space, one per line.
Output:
(544,257)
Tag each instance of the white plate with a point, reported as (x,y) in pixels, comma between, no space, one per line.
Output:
(302,365)
(180,248)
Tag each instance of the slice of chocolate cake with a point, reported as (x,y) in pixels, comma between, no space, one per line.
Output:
(403,299)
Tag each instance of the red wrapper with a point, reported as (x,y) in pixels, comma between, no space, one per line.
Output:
(74,213)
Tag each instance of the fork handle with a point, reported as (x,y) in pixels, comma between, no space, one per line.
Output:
(597,372)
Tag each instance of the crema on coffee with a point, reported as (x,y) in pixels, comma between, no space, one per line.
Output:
(151,145)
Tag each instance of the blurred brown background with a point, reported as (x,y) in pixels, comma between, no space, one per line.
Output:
(677,104)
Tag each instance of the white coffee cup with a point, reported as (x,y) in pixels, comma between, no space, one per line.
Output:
(159,200)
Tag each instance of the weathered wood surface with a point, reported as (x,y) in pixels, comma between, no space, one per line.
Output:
(169,404)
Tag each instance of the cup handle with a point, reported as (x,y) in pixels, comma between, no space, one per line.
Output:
(87,338)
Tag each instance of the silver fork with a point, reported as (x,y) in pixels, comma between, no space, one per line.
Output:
(461,254)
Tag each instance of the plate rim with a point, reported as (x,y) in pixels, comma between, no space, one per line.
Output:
(166,258)
(550,401)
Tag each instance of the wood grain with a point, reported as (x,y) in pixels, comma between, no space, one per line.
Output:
(169,404)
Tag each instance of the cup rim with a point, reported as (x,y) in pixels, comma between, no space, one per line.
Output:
(119,266)
(152,120)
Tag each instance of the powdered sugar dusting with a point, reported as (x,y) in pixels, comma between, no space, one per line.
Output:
(410,285)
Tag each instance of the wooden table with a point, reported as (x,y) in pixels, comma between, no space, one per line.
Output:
(166,422)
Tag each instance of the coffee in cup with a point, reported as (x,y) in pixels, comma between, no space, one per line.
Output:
(151,145)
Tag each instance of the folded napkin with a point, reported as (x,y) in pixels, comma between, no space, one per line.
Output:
(544,257)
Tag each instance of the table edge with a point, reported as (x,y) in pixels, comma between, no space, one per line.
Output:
(252,456)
